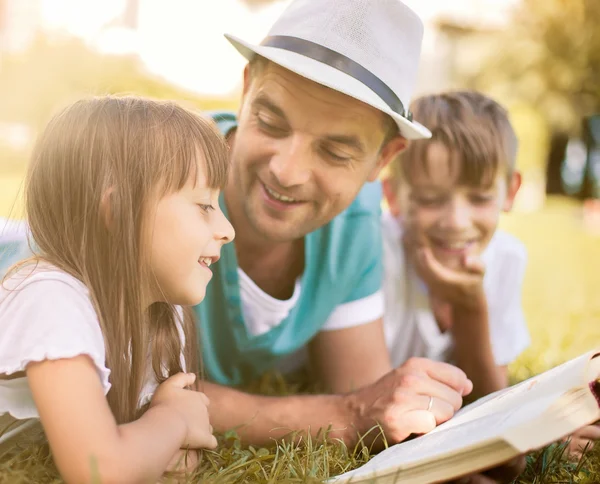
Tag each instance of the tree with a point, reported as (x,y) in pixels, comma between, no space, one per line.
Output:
(549,58)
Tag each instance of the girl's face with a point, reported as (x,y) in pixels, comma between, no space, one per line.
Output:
(187,234)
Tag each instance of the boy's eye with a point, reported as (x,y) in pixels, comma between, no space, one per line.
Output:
(429,201)
(481,199)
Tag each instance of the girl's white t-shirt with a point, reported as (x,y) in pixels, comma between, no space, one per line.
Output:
(47,314)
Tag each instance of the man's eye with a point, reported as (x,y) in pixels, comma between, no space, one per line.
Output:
(338,158)
(269,128)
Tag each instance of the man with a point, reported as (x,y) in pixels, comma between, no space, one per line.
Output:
(322,113)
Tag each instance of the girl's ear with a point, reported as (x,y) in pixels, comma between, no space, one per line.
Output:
(390,192)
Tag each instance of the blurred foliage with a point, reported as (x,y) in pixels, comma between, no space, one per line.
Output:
(549,57)
(58,70)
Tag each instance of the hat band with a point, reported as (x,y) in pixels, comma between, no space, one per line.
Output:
(342,63)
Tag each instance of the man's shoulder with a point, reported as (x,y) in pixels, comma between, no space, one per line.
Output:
(366,204)
(352,240)
(225,120)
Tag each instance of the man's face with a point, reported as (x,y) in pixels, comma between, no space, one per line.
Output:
(301,153)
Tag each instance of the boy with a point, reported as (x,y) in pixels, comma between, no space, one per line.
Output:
(453,280)
(445,196)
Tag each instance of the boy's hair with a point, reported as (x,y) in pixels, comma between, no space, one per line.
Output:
(473,128)
(96,173)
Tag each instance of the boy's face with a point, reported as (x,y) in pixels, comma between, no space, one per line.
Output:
(454,220)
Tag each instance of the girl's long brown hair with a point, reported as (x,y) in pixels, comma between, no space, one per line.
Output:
(96,172)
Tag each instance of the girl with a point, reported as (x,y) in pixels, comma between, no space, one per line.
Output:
(121,197)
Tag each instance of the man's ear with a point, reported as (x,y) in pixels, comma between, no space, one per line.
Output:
(247,80)
(390,192)
(514,183)
(388,152)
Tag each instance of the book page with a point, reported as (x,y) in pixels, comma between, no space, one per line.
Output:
(551,383)
(448,439)
(484,420)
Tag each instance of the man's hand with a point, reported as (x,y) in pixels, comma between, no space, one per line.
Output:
(412,399)
(460,287)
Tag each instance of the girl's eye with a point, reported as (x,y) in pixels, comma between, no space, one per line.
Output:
(205,208)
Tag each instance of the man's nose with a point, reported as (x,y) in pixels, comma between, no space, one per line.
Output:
(291,164)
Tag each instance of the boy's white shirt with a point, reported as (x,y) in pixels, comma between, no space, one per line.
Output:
(49,315)
(409,324)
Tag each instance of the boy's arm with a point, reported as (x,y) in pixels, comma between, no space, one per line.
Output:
(473,349)
(469,326)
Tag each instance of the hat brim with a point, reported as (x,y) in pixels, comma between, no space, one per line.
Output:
(329,77)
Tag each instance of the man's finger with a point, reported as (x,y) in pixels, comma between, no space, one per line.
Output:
(408,401)
(411,422)
(443,372)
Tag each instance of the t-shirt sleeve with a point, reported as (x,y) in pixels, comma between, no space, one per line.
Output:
(48,318)
(508,328)
(365,301)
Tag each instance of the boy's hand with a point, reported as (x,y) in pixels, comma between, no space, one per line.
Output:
(458,287)
(585,436)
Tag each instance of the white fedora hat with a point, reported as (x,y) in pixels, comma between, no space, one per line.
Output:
(367,49)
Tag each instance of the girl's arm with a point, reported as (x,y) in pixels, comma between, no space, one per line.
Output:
(87,443)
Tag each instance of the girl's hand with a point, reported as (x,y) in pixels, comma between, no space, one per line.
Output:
(185,460)
(190,405)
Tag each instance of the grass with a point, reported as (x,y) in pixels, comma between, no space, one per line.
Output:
(562,305)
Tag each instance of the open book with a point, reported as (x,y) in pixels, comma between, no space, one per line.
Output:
(494,429)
